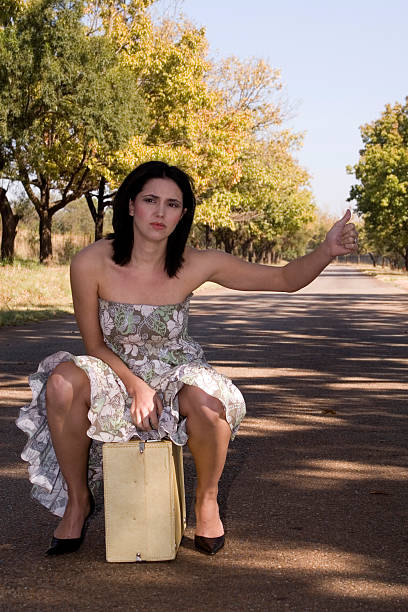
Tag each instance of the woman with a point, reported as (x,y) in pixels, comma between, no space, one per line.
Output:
(142,375)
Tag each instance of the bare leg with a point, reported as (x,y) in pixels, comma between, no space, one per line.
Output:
(68,397)
(209,435)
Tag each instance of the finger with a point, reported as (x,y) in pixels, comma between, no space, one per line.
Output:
(349,228)
(153,419)
(145,424)
(133,412)
(350,242)
(346,217)
(350,239)
(159,404)
(137,420)
(140,421)
(349,231)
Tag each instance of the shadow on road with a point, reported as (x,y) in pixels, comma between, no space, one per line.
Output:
(314,492)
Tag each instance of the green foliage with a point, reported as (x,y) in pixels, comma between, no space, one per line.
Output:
(66,105)
(72,80)
(65,93)
(382,172)
(271,204)
(221,123)
(9,9)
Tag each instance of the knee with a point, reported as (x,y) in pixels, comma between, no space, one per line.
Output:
(58,389)
(196,403)
(214,409)
(62,385)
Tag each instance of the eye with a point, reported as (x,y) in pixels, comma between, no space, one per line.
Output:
(175,204)
(149,200)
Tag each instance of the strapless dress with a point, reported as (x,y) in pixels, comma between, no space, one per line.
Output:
(153,342)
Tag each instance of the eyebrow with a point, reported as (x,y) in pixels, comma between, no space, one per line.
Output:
(152,195)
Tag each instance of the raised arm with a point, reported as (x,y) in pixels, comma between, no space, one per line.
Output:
(85,271)
(235,273)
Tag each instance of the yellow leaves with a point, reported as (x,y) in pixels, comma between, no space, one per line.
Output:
(215,122)
(215,212)
(250,86)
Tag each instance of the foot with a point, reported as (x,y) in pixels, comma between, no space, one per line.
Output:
(208,522)
(73,520)
(209,546)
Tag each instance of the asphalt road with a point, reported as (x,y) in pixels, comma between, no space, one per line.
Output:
(314,496)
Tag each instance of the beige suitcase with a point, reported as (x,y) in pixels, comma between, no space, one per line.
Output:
(145,510)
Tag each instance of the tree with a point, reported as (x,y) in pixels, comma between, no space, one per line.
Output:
(382,171)
(9,221)
(103,200)
(221,122)
(216,121)
(250,87)
(270,197)
(9,9)
(66,105)
(275,187)
(185,125)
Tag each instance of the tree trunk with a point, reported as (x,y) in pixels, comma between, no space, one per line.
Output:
(99,225)
(373,259)
(45,236)
(251,253)
(207,236)
(98,214)
(228,241)
(9,227)
(406,258)
(245,249)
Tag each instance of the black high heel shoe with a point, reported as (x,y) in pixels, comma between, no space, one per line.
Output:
(69,545)
(209,546)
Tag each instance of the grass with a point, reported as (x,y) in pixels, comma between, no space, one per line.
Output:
(31,292)
(389,275)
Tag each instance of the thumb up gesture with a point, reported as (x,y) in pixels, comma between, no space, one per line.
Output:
(341,239)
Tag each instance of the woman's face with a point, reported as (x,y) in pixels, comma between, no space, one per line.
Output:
(157,208)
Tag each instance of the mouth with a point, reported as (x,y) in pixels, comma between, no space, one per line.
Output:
(158,225)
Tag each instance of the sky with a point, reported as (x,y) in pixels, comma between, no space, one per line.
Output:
(341,63)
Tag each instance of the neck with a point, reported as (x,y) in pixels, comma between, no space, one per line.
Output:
(148,255)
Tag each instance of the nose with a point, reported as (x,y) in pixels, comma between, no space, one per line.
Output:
(160,209)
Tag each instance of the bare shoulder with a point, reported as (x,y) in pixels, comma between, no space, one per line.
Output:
(202,264)
(204,257)
(88,266)
(92,257)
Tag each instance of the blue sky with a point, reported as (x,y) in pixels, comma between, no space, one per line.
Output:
(341,63)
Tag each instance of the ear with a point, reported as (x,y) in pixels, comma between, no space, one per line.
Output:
(184,212)
(131,208)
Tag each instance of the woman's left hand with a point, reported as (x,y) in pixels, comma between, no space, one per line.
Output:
(342,238)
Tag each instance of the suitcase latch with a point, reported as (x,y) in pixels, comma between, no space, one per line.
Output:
(138,557)
(141,447)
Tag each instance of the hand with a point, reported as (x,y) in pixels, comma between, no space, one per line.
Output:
(342,238)
(146,406)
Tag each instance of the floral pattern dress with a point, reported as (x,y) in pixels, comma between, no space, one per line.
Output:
(153,342)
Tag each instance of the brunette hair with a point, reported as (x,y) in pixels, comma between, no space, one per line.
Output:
(122,222)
